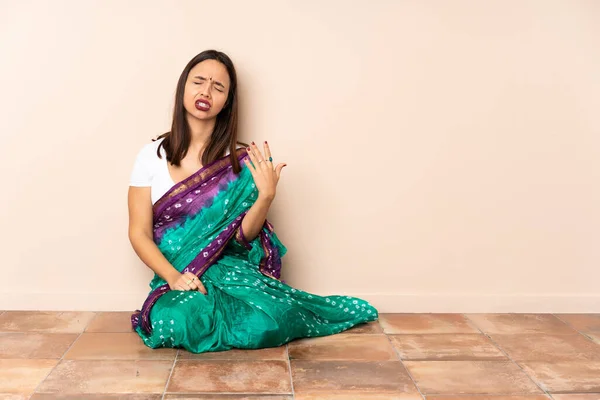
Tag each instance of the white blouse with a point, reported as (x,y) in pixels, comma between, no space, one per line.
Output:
(149,170)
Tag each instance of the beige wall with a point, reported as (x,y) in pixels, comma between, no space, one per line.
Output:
(443,156)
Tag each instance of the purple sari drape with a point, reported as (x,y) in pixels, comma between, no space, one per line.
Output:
(188,198)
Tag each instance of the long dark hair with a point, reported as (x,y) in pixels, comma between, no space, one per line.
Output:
(224,136)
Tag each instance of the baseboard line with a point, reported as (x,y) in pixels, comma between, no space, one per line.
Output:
(384,302)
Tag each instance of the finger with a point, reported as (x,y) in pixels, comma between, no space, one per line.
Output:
(260,160)
(252,158)
(193,285)
(278,169)
(255,161)
(267,151)
(190,276)
(250,166)
(189,280)
(201,288)
(257,152)
(196,283)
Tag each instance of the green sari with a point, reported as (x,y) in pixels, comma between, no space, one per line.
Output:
(197,226)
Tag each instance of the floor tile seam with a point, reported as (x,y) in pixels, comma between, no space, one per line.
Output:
(58,314)
(172,393)
(133,358)
(575,392)
(457,332)
(96,314)
(165,392)
(564,359)
(39,333)
(218,360)
(405,367)
(509,357)
(488,394)
(478,333)
(60,360)
(340,334)
(461,358)
(46,333)
(170,374)
(576,330)
(289,363)
(351,360)
(231,359)
(224,393)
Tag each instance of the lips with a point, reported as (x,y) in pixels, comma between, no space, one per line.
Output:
(202,105)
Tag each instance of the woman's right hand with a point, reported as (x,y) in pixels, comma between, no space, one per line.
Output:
(185,282)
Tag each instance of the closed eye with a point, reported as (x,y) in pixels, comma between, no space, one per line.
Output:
(199,83)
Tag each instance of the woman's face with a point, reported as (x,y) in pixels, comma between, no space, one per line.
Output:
(206,90)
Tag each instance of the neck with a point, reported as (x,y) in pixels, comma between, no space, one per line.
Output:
(200,131)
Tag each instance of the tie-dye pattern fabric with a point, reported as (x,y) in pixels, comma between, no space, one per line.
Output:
(197,226)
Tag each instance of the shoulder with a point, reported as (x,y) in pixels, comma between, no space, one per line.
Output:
(147,164)
(147,158)
(149,150)
(153,145)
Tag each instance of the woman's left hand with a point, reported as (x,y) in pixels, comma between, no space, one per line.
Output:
(265,176)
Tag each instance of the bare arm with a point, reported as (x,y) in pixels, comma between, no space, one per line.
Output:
(140,236)
(266,178)
(255,218)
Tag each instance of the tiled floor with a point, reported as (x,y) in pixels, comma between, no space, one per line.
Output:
(86,355)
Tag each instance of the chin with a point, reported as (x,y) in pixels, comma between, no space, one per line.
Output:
(203,115)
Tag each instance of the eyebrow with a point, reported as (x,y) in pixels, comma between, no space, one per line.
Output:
(216,82)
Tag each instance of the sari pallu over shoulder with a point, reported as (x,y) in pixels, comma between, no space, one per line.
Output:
(196,219)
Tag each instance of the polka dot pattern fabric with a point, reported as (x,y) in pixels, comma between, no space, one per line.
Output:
(248,310)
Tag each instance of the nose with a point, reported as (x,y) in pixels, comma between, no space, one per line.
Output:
(205,90)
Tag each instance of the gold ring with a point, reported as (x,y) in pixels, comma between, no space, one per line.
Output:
(259,161)
(190,281)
